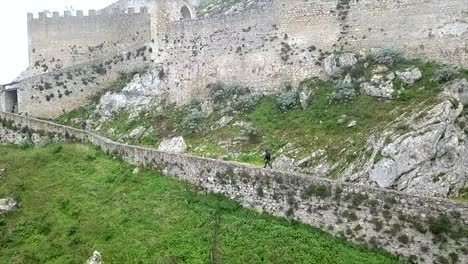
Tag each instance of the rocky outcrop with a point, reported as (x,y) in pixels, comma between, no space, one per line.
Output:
(381,85)
(7,205)
(333,65)
(96,258)
(423,154)
(140,94)
(174,145)
(459,89)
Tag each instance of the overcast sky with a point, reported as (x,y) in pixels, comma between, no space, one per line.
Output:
(13,29)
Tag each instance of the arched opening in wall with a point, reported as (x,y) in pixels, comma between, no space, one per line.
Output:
(185,13)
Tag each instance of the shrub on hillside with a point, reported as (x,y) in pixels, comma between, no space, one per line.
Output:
(387,56)
(445,73)
(237,97)
(344,93)
(245,102)
(193,121)
(287,100)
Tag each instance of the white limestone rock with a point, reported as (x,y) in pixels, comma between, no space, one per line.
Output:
(223,122)
(7,205)
(96,258)
(425,153)
(137,132)
(347,60)
(330,66)
(140,94)
(333,64)
(8,136)
(39,141)
(304,98)
(284,163)
(352,124)
(409,76)
(175,145)
(381,90)
(459,88)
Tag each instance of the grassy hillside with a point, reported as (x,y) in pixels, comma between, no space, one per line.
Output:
(317,127)
(76,199)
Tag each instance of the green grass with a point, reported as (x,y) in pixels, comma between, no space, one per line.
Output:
(75,199)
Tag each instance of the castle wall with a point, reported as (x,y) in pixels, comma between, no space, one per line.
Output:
(53,94)
(434,29)
(59,42)
(275,43)
(426,230)
(249,48)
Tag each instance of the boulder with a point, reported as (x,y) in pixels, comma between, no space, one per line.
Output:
(8,205)
(384,173)
(96,258)
(334,64)
(382,89)
(304,98)
(174,145)
(352,124)
(331,67)
(137,133)
(409,76)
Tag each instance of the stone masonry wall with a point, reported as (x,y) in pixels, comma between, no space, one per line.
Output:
(58,42)
(426,230)
(278,42)
(53,94)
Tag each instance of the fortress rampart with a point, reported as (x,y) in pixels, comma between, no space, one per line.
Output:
(426,230)
(53,94)
(277,42)
(270,45)
(62,41)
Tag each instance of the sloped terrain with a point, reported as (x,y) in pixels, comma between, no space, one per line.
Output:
(328,128)
(74,199)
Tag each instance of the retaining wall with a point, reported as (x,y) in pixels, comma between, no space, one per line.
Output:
(427,230)
(53,94)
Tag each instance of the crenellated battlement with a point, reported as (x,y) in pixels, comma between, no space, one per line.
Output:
(91,13)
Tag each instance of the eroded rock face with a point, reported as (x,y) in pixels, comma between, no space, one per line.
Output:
(96,258)
(7,205)
(459,88)
(333,64)
(174,145)
(424,154)
(140,94)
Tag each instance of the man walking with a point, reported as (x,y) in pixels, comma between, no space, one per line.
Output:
(267,158)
